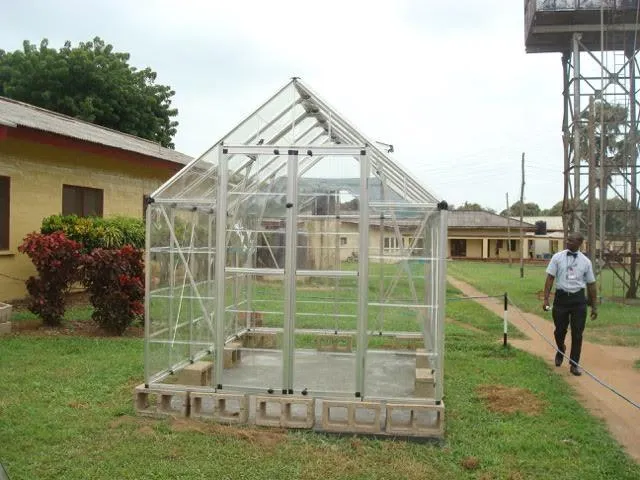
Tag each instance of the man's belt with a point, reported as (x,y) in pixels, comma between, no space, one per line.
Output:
(560,292)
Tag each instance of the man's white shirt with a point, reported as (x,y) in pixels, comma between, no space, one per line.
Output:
(571,274)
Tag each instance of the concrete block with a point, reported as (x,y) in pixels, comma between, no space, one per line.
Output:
(260,340)
(230,408)
(269,411)
(232,354)
(329,342)
(198,373)
(159,402)
(409,342)
(5,328)
(285,411)
(422,360)
(293,418)
(351,416)
(424,383)
(415,419)
(425,375)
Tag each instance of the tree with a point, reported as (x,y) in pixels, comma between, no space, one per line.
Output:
(473,207)
(555,211)
(91,82)
(530,210)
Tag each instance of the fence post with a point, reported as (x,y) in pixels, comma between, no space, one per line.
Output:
(504,337)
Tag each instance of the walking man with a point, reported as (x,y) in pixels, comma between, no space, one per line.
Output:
(572,272)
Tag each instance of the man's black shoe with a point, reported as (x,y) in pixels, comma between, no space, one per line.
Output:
(559,357)
(575,370)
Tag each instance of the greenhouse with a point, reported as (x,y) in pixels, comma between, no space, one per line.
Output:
(296,278)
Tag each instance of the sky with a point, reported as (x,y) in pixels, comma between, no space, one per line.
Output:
(448,83)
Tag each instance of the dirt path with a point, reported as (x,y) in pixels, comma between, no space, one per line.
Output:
(613,365)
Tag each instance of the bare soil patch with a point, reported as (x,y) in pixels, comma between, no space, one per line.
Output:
(470,463)
(262,438)
(75,328)
(503,399)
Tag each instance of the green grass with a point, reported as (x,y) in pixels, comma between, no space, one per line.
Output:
(69,414)
(77,312)
(637,364)
(617,324)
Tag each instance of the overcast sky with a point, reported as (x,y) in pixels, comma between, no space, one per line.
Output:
(446,82)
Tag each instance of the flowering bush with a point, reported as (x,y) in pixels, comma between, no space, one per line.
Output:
(115,281)
(57,260)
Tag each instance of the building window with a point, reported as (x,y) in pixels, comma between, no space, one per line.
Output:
(390,243)
(82,201)
(5,211)
(343,240)
(513,245)
(458,248)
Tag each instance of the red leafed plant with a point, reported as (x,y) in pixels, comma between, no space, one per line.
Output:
(57,260)
(115,281)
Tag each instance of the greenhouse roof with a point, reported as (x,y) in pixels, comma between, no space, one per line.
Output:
(294,116)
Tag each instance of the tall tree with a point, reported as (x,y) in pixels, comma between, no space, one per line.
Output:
(530,210)
(474,207)
(91,82)
(555,211)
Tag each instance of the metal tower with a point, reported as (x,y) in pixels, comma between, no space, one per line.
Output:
(598,40)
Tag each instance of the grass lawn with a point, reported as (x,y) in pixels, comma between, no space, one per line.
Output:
(66,411)
(617,324)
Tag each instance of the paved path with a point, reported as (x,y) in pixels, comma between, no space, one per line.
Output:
(613,365)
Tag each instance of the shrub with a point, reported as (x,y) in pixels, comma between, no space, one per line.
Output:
(114,279)
(97,232)
(57,260)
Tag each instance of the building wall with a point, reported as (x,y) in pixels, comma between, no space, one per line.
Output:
(37,174)
(321,243)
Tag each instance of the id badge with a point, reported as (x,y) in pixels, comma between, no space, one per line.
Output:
(571,274)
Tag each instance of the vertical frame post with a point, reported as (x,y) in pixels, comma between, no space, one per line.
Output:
(291,243)
(220,262)
(442,287)
(147,297)
(429,286)
(172,281)
(363,275)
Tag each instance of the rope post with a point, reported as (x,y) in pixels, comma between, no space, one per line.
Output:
(504,328)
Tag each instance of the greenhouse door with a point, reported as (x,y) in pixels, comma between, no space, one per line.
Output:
(294,250)
(326,260)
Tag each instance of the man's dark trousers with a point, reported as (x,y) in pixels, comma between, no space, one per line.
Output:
(570,309)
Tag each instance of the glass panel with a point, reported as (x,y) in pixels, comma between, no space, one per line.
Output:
(327,286)
(180,291)
(196,182)
(254,279)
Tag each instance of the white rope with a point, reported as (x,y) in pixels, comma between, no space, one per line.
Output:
(552,344)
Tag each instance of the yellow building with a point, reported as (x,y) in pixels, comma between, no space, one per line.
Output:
(52,164)
(487,236)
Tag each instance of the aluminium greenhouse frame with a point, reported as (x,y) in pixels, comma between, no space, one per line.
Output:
(272,202)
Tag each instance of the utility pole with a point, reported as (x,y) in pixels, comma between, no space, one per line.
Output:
(508,230)
(521,229)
